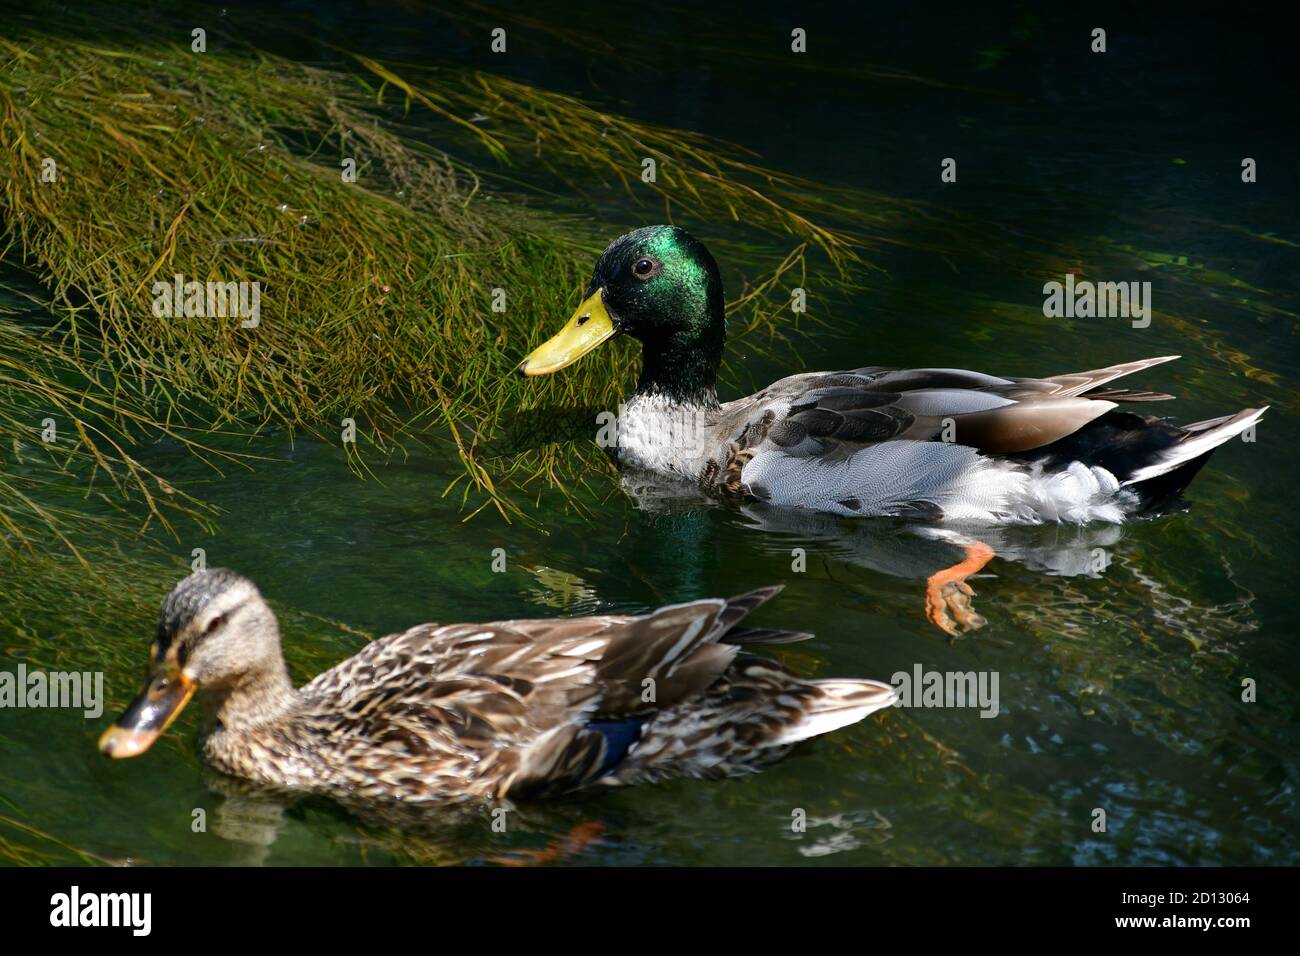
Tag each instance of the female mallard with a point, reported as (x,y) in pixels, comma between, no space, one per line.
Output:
(510,708)
(932,443)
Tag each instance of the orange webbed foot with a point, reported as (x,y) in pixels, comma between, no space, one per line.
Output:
(577,840)
(948,596)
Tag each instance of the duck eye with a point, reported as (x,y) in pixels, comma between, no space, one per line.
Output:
(215,623)
(643,267)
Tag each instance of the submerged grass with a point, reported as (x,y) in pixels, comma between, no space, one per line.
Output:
(66,439)
(124,167)
(197,168)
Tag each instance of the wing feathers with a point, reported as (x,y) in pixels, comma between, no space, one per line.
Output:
(1076,383)
(832,415)
(1027,425)
(526,708)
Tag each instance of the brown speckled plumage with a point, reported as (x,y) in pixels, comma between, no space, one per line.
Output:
(504,709)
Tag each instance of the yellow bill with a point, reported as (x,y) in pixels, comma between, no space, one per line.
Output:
(589,326)
(163,698)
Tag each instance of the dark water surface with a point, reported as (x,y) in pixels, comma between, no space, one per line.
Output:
(1120,689)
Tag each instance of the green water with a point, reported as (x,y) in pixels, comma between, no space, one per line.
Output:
(1119,689)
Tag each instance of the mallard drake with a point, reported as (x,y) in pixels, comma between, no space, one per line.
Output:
(938,444)
(463,711)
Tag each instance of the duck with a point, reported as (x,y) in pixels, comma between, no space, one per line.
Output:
(937,445)
(505,710)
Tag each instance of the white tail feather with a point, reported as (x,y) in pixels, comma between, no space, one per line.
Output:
(843,702)
(1205,436)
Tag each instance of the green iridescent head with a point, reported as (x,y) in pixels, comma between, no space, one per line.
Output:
(661,286)
(658,281)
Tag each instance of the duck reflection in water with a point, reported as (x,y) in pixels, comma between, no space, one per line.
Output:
(943,556)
